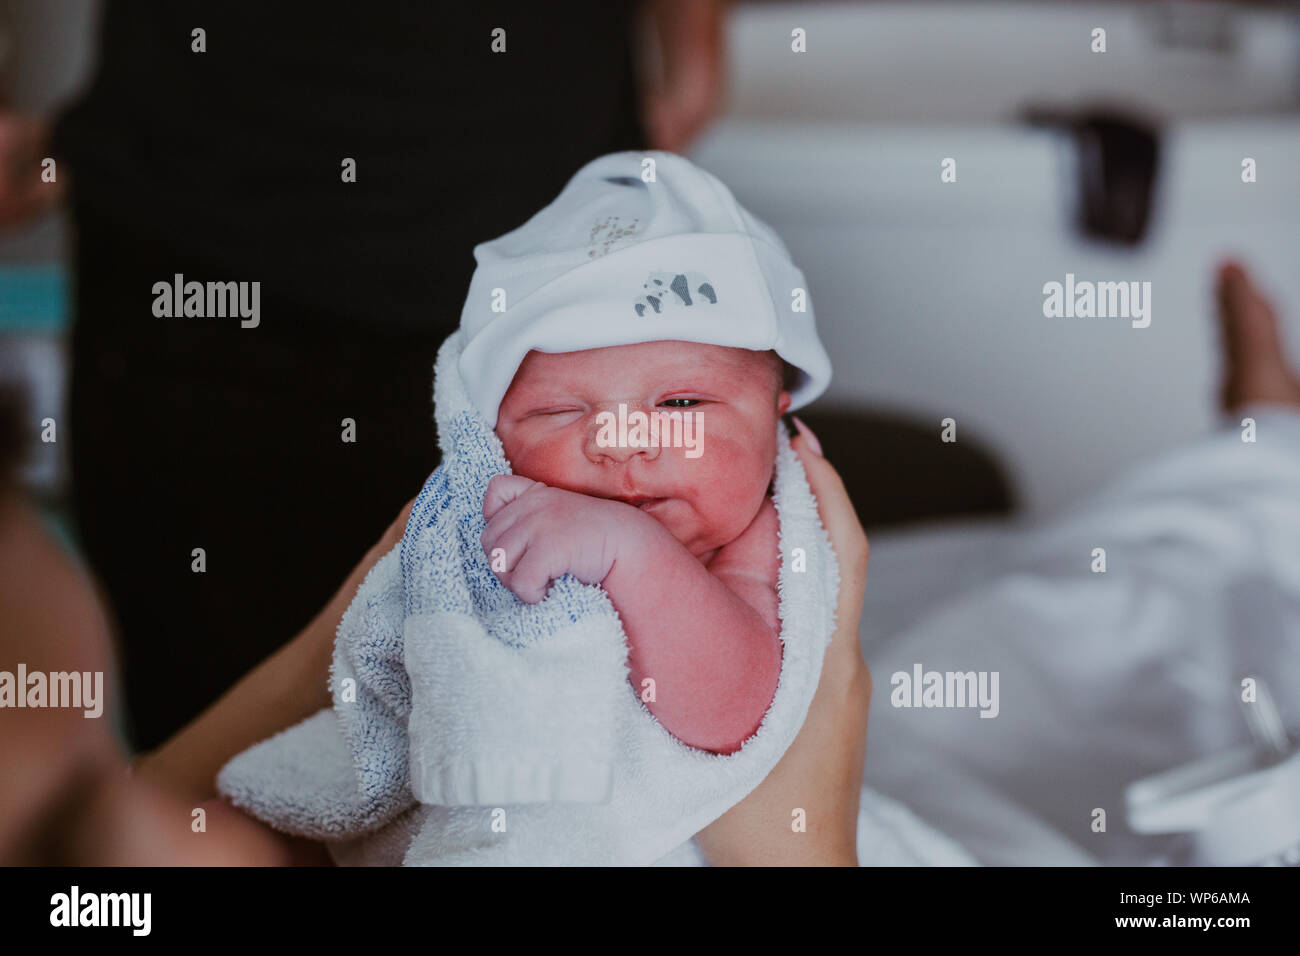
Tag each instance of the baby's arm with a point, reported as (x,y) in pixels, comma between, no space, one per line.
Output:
(708,637)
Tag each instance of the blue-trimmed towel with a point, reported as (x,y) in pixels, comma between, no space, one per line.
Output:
(469,727)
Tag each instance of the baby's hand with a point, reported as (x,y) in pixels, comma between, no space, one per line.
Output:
(544,532)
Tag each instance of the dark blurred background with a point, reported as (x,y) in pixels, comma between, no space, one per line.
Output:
(928,297)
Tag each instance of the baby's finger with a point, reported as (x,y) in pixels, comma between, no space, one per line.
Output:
(531,577)
(508,518)
(502,490)
(505,549)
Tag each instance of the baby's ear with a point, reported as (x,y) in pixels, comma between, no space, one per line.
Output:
(783,402)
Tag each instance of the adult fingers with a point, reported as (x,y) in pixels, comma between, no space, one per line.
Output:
(840,519)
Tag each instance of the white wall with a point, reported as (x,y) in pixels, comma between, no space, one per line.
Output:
(961,61)
(929,295)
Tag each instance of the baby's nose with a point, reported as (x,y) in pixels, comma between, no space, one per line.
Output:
(620,433)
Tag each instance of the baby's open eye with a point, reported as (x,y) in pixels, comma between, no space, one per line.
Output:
(680,402)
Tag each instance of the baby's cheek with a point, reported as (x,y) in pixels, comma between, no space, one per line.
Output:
(730,480)
(733,463)
(550,462)
(712,470)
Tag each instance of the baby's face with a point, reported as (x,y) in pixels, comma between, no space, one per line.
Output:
(550,423)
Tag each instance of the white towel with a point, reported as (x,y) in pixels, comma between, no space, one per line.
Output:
(471,728)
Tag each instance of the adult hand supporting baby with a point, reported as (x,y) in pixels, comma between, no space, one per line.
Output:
(821,773)
(66,797)
(286,688)
(24,194)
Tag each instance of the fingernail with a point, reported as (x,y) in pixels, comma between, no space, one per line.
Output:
(808,436)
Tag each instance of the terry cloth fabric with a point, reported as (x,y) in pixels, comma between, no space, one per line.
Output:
(457,706)
(637,247)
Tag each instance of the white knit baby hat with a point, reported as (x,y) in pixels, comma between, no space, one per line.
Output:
(638,247)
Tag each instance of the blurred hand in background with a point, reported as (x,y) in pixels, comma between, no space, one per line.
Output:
(24,197)
(683,90)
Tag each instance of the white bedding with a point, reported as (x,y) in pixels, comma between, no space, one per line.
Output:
(1103,677)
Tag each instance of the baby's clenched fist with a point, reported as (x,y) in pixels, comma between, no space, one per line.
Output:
(544,533)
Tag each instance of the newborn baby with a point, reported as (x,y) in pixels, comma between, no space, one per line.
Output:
(643,294)
(685,547)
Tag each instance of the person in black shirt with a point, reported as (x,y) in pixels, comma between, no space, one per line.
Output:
(347,160)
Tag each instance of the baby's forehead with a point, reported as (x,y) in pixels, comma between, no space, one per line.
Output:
(640,361)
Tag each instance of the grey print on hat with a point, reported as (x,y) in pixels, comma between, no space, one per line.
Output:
(668,290)
(607,232)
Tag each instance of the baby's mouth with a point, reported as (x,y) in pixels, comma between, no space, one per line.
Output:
(640,501)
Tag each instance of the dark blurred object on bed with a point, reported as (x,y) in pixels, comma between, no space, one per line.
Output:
(899,472)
